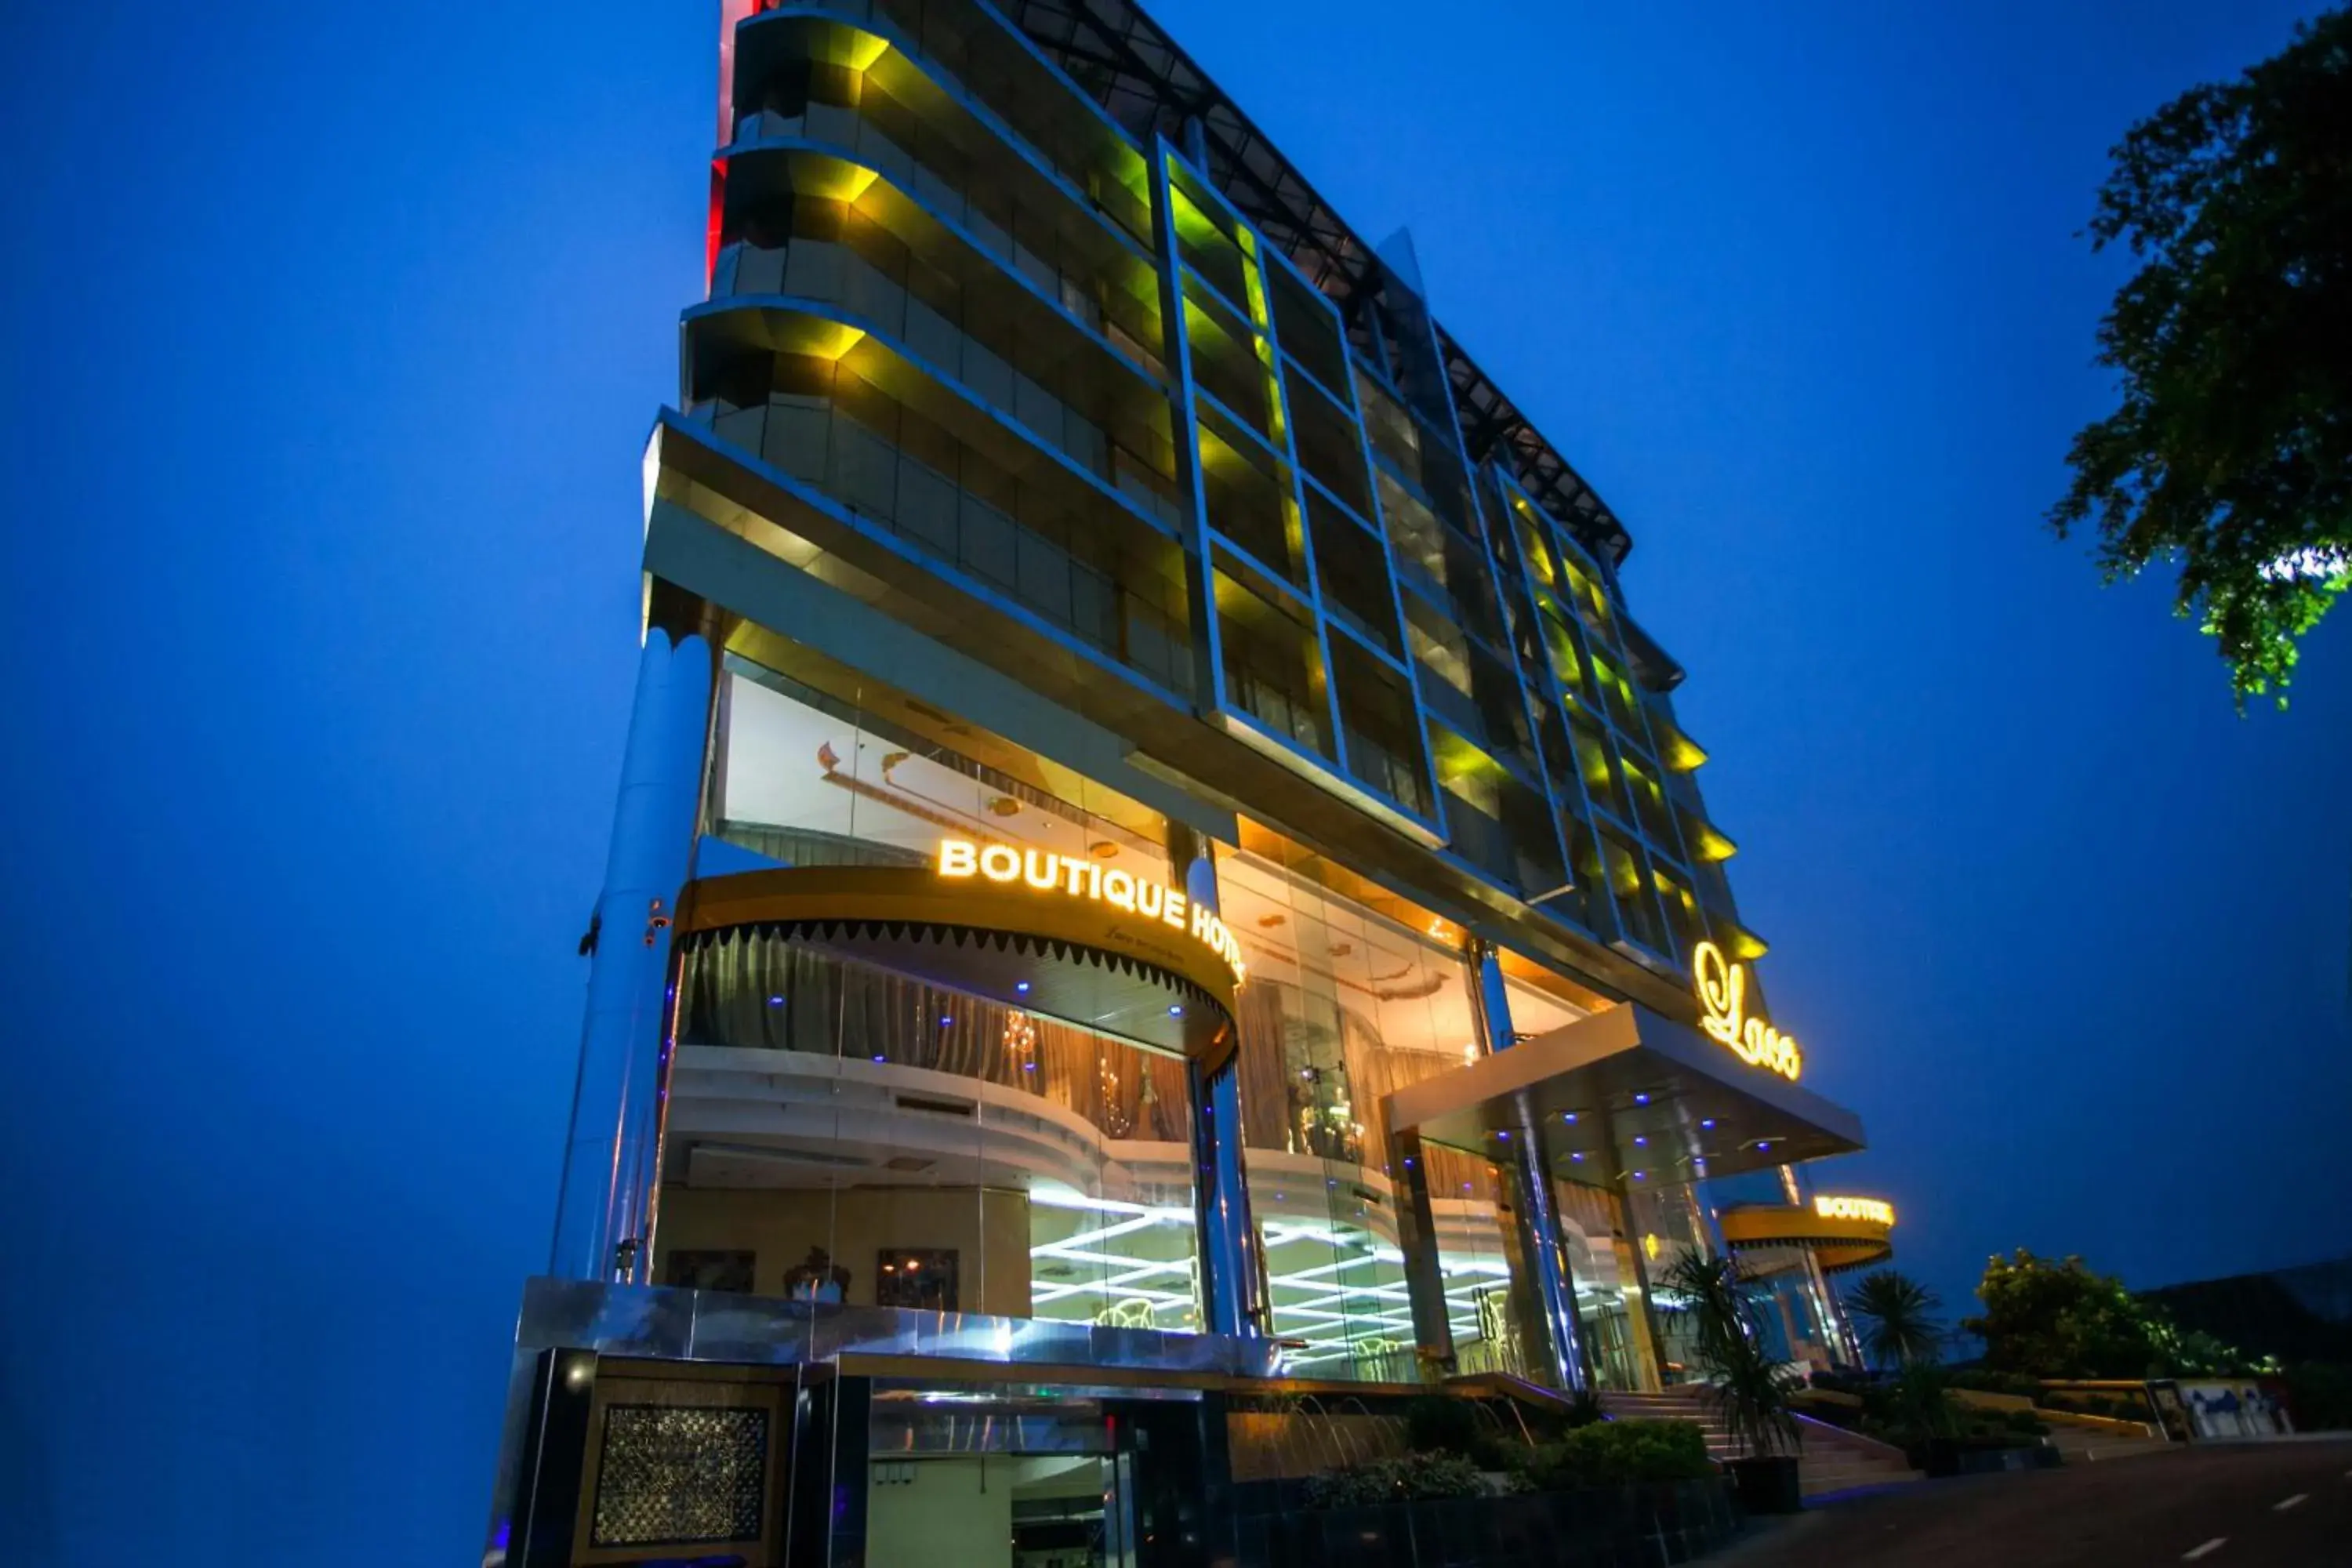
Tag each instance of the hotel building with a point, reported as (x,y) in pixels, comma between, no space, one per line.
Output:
(1157,873)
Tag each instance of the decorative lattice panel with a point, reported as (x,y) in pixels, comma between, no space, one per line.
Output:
(676,1474)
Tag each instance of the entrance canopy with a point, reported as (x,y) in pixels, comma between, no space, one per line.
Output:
(1627,1090)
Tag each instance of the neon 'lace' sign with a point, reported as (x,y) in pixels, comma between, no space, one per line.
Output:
(1722,988)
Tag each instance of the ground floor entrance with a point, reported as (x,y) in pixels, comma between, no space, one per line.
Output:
(866,1458)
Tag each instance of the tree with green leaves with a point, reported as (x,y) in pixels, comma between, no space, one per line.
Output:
(1898,1317)
(2059,1318)
(2231,452)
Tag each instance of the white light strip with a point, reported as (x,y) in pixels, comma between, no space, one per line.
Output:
(1093,1287)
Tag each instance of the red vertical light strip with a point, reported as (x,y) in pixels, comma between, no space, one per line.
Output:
(731,14)
(718,212)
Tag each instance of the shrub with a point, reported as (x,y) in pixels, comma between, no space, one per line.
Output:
(1405,1478)
(1441,1424)
(1914,1406)
(1618,1453)
(1584,1409)
(1856,1383)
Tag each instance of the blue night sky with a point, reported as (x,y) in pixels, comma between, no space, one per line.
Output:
(334,335)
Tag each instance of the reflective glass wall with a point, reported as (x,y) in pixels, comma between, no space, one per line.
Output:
(1343,1007)
(840,1131)
(1791,1294)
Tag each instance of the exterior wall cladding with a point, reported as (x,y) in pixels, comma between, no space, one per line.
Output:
(1155,876)
(973,297)
(1055,470)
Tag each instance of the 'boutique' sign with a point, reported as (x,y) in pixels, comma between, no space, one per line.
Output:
(1722,987)
(1068,877)
(1855,1208)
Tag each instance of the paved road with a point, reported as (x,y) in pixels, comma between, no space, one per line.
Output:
(2286,1504)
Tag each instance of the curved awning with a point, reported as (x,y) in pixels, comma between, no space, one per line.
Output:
(1838,1242)
(1074,958)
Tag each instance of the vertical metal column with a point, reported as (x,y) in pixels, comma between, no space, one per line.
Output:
(1621,1184)
(1549,1294)
(1844,1343)
(1827,1307)
(1540,1240)
(1233,1299)
(603,1221)
(1424,1277)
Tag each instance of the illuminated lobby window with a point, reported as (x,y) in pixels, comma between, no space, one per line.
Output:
(840,1118)
(1343,1007)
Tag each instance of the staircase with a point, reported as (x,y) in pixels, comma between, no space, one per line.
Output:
(1832,1459)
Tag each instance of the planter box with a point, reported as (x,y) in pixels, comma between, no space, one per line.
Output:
(1774,1485)
(1941,1457)
(1540,1530)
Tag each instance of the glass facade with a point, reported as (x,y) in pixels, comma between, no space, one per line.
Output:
(875,1137)
(1055,481)
(962,309)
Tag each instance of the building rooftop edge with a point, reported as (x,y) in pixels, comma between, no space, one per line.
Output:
(1115,51)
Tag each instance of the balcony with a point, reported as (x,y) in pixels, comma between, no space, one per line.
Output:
(822,150)
(1107,423)
(955,62)
(1038,538)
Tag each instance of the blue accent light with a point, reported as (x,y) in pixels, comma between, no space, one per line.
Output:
(1021,987)
(1175,1012)
(1640,1100)
(776,1001)
(1710,1122)
(878,1056)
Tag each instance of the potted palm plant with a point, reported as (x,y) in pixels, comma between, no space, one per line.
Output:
(1746,1385)
(1899,1325)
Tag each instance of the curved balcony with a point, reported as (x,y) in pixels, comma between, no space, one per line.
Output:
(1840,1233)
(880,445)
(1060,153)
(896,345)
(1093,341)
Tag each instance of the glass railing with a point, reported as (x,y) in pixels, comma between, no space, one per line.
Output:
(1481,840)
(1124,318)
(1391,772)
(909,22)
(804,437)
(835,274)
(1288,714)
(1452,707)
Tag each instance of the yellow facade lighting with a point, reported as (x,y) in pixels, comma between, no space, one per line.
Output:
(1710,844)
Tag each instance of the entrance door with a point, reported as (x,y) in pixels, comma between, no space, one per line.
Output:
(979,1477)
